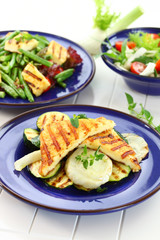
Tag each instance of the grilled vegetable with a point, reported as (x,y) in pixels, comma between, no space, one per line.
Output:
(50,117)
(34,169)
(60,180)
(119,171)
(31,138)
(27,160)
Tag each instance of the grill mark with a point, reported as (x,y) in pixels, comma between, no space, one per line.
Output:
(110,142)
(31,84)
(120,169)
(62,133)
(73,130)
(60,52)
(53,47)
(111,136)
(44,120)
(45,148)
(85,127)
(119,146)
(32,75)
(54,141)
(127,153)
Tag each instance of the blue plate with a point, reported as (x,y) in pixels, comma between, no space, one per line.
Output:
(82,76)
(128,192)
(143,84)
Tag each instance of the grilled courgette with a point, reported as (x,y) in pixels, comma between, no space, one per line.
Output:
(119,171)
(31,138)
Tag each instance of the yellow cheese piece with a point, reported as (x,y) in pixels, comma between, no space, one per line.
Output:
(58,52)
(35,79)
(13,45)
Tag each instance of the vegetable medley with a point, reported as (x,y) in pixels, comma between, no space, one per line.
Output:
(139,54)
(30,65)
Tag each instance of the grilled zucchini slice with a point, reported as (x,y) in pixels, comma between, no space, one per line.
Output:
(31,138)
(34,167)
(119,171)
(60,180)
(49,117)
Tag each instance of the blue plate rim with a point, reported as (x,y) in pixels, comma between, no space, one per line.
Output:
(64,210)
(52,101)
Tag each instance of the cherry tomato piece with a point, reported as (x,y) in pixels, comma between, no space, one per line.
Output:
(154,35)
(157,67)
(137,67)
(130,45)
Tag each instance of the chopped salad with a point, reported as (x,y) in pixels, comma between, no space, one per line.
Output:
(31,65)
(139,54)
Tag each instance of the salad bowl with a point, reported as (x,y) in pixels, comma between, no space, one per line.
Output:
(144,84)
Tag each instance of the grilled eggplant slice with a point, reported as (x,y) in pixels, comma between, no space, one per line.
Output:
(31,138)
(34,167)
(119,171)
(50,117)
(60,180)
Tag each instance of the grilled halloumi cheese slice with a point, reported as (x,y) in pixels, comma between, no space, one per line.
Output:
(115,147)
(14,45)
(58,52)
(59,138)
(35,79)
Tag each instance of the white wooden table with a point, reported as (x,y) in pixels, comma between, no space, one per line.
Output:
(20,221)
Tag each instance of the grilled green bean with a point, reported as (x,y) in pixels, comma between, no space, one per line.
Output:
(36,58)
(9,90)
(4,68)
(14,73)
(5,58)
(26,88)
(11,83)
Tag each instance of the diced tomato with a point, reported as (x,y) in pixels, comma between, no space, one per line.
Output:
(157,67)
(130,45)
(137,67)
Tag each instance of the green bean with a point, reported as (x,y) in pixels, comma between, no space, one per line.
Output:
(3,53)
(61,83)
(11,83)
(2,94)
(4,68)
(5,58)
(36,58)
(12,35)
(41,39)
(9,90)
(26,88)
(19,58)
(65,74)
(14,73)
(13,60)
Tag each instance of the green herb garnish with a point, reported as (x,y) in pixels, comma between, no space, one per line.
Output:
(89,160)
(75,120)
(100,189)
(143,114)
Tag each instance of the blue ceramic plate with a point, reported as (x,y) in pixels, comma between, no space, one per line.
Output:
(143,84)
(79,80)
(128,192)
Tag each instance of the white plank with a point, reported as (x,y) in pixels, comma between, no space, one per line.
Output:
(98,227)
(15,214)
(100,89)
(142,221)
(59,226)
